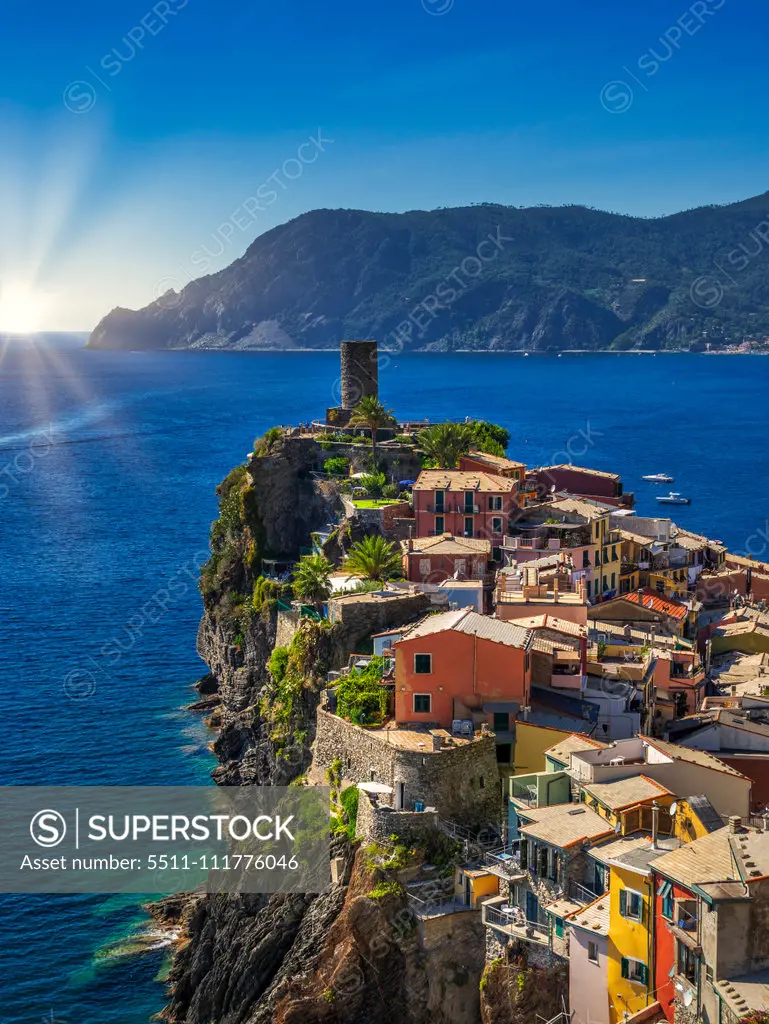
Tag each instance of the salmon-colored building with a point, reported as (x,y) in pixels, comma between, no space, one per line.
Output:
(434,559)
(464,503)
(462,665)
(496,464)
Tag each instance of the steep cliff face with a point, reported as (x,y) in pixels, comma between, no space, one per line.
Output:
(353,954)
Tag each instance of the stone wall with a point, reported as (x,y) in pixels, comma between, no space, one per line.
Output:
(397,461)
(365,614)
(287,625)
(460,782)
(377,822)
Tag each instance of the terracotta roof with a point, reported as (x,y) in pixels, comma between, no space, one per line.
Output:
(748,562)
(552,622)
(563,749)
(496,460)
(655,602)
(564,825)
(594,917)
(745,992)
(581,469)
(626,792)
(700,757)
(586,509)
(462,480)
(634,851)
(560,908)
(707,859)
(716,544)
(447,544)
(464,620)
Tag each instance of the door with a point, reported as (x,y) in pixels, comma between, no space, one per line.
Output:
(468,892)
(400,795)
(532,907)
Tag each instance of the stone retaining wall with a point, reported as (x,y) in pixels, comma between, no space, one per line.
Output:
(365,614)
(460,782)
(377,822)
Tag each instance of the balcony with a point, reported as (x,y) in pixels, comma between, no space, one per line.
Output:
(467,510)
(685,923)
(505,864)
(579,893)
(628,568)
(498,914)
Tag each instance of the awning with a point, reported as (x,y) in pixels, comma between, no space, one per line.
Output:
(374,787)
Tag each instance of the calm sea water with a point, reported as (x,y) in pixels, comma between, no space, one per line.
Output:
(108,463)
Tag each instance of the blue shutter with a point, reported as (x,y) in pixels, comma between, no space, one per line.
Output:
(625,968)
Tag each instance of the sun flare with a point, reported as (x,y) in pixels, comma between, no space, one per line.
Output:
(20,309)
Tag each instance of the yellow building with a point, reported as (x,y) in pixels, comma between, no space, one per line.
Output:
(614,800)
(631,902)
(473,884)
(531,742)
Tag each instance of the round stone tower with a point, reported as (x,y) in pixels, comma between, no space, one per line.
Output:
(360,377)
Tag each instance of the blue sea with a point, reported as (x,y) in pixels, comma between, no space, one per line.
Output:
(108,464)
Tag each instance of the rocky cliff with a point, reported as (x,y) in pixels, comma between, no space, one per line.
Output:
(484,277)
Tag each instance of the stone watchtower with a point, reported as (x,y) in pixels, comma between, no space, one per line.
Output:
(359,379)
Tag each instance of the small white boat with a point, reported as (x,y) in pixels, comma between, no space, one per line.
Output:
(674,498)
(659,478)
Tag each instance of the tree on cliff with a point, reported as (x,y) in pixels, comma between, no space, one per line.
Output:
(311,580)
(372,415)
(443,443)
(374,558)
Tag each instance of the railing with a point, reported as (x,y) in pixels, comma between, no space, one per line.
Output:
(685,919)
(515,923)
(467,510)
(581,893)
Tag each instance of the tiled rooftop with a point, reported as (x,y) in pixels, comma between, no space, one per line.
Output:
(463,620)
(626,792)
(700,757)
(594,917)
(563,750)
(447,544)
(564,825)
(636,851)
(463,480)
(707,859)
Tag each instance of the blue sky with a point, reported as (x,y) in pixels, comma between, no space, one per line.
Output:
(131,132)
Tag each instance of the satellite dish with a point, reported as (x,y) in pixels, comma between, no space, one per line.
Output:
(688,996)
(673,809)
(552,491)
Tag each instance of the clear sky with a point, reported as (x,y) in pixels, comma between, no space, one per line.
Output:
(139,142)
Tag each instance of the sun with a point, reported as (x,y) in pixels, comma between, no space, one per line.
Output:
(20,308)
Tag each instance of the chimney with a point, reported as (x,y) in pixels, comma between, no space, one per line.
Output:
(735,824)
(582,590)
(410,544)
(641,596)
(655,823)
(555,590)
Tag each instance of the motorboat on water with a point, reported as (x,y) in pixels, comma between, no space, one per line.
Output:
(674,498)
(658,478)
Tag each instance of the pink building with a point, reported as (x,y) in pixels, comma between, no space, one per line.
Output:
(589,962)
(435,559)
(464,503)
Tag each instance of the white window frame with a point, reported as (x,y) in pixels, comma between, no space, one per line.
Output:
(591,944)
(429,700)
(494,521)
(423,654)
(633,917)
(631,961)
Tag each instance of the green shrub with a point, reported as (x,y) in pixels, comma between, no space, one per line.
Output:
(382,890)
(349,799)
(360,697)
(266,444)
(390,491)
(278,663)
(337,466)
(373,483)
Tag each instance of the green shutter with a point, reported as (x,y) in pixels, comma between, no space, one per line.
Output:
(625,968)
(559,927)
(644,974)
(623,908)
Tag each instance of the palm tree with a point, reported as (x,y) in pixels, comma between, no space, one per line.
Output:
(445,442)
(374,558)
(372,415)
(311,580)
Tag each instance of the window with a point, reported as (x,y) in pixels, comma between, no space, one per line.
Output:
(422,702)
(613,580)
(496,524)
(613,553)
(597,557)
(501,721)
(423,664)
(495,503)
(481,782)
(589,585)
(585,559)
(592,952)
(552,873)
(635,970)
(440,497)
(469,501)
(666,892)
(631,904)
(440,525)
(469,526)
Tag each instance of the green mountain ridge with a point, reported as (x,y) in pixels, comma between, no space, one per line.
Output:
(483,277)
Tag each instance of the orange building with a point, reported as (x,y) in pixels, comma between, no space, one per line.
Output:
(462,665)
